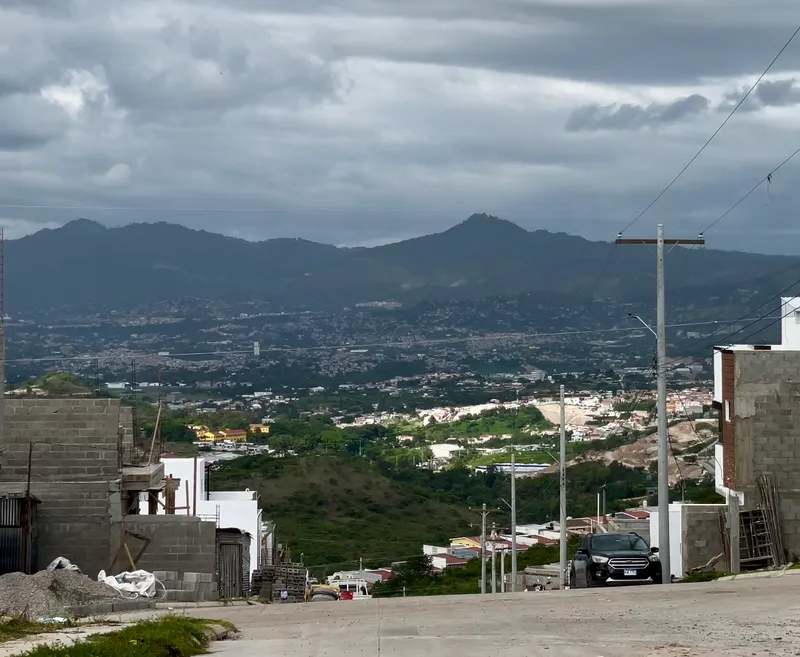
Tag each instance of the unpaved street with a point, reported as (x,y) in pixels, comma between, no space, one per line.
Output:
(734,619)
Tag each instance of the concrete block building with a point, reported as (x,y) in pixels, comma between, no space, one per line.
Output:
(77,457)
(757,393)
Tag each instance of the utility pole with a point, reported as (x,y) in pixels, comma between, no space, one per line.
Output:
(663,438)
(494,552)
(502,571)
(484,513)
(733,532)
(603,487)
(513,521)
(597,517)
(562,479)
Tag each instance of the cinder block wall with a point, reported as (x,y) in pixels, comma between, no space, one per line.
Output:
(182,554)
(75,472)
(767,431)
(702,539)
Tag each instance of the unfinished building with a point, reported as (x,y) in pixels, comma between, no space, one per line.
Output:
(78,458)
(757,393)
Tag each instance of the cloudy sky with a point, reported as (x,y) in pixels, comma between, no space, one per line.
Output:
(367,121)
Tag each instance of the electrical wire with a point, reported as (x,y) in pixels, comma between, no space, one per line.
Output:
(715,133)
(743,340)
(752,190)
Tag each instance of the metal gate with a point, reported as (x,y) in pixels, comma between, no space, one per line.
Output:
(230,570)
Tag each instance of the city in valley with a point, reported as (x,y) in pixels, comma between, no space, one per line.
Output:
(352,327)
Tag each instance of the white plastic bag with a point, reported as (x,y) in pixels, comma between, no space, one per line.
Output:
(138,583)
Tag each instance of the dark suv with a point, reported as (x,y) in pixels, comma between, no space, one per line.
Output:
(614,559)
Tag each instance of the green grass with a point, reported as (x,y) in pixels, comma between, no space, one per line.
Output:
(17,627)
(174,636)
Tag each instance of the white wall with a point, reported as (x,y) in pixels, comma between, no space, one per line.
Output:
(790,322)
(717,376)
(237,509)
(675,537)
(243,514)
(719,484)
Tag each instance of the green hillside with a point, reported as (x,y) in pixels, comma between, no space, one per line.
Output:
(335,509)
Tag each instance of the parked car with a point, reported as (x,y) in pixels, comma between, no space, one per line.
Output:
(605,559)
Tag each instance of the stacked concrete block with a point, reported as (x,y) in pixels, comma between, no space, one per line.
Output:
(116,607)
(187,587)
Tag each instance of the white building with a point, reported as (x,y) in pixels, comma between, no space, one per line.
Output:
(237,509)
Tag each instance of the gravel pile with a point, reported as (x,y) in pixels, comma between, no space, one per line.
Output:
(46,594)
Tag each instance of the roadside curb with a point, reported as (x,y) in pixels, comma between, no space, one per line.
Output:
(761,575)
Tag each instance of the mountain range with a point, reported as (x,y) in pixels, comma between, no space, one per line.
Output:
(86,263)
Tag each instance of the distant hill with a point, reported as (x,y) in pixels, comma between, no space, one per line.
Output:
(84,262)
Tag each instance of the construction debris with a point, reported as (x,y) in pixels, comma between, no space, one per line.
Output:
(771,504)
(50,593)
(709,567)
(284,582)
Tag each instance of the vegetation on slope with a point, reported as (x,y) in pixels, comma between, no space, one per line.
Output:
(335,509)
(498,421)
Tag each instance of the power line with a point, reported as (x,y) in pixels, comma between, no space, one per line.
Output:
(714,134)
(767,178)
(747,337)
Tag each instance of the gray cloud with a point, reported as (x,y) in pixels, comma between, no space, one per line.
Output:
(361,121)
(633,117)
(769,93)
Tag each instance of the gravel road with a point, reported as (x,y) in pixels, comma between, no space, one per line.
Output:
(734,618)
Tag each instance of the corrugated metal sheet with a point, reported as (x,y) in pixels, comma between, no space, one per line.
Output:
(18,535)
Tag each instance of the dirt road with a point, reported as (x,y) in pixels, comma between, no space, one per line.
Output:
(734,619)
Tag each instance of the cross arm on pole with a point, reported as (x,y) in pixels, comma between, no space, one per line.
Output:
(654,241)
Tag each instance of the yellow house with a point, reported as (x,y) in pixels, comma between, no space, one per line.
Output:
(466,541)
(259,428)
(234,435)
(202,432)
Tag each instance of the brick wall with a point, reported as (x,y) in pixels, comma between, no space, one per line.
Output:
(727,429)
(75,473)
(767,431)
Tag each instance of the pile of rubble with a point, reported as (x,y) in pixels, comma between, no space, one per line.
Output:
(50,593)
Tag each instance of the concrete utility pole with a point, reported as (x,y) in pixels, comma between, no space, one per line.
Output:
(502,571)
(733,531)
(663,438)
(484,513)
(562,518)
(597,517)
(513,522)
(494,552)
